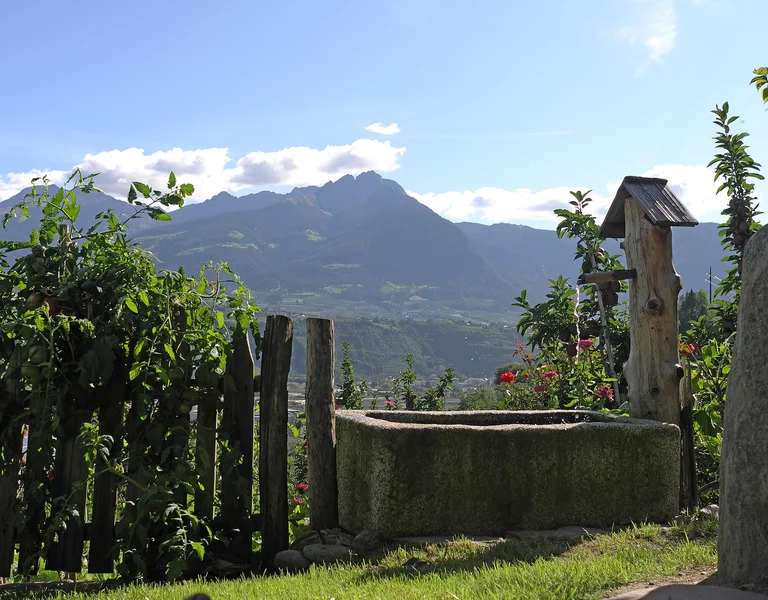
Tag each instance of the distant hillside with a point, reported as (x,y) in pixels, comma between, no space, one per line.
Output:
(379,346)
(361,246)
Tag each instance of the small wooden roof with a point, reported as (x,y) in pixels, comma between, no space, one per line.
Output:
(660,204)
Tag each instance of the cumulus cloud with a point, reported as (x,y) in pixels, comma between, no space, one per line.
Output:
(694,185)
(382,129)
(13,183)
(212,170)
(652,24)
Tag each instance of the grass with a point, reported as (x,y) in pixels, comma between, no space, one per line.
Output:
(535,570)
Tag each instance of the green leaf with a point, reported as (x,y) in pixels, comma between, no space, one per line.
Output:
(160,215)
(131,305)
(171,185)
(134,372)
(187,189)
(142,188)
(220,319)
(169,352)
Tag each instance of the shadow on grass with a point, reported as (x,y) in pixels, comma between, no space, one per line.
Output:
(459,555)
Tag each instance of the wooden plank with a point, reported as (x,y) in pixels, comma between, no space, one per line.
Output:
(689,484)
(205,453)
(273,438)
(11,440)
(607,276)
(237,423)
(651,371)
(102,526)
(35,511)
(321,425)
(69,481)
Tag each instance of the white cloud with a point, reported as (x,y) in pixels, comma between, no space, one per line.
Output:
(382,129)
(13,183)
(694,185)
(209,169)
(652,24)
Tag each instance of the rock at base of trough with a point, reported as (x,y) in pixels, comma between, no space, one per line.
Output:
(367,541)
(324,554)
(710,512)
(336,537)
(308,539)
(291,560)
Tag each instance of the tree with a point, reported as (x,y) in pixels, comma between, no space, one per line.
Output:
(692,305)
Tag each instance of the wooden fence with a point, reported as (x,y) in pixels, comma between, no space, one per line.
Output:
(230,421)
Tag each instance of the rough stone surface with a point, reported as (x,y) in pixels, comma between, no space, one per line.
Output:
(689,592)
(711,512)
(405,473)
(322,553)
(309,538)
(291,560)
(335,537)
(743,528)
(367,541)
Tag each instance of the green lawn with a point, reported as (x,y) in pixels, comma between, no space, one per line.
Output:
(463,569)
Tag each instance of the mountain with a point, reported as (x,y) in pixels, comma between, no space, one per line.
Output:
(360,246)
(92,204)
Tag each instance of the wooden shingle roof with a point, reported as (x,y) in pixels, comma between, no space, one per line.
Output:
(659,203)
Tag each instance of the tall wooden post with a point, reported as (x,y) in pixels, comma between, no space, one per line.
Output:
(273,435)
(321,425)
(652,371)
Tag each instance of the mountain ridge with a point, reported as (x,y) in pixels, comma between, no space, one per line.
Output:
(360,246)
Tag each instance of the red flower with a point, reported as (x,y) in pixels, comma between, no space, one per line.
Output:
(507,377)
(686,349)
(527,374)
(388,403)
(298,500)
(541,388)
(584,344)
(302,487)
(604,391)
(338,406)
(549,375)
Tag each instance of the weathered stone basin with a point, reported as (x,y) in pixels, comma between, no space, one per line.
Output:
(405,473)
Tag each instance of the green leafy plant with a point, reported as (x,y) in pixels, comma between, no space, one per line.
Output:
(352,393)
(760,80)
(86,309)
(737,170)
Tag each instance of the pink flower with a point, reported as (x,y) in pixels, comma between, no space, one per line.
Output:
(541,388)
(302,487)
(298,500)
(388,403)
(338,406)
(549,375)
(584,344)
(604,391)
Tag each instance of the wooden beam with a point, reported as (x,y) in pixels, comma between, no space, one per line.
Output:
(10,392)
(651,371)
(606,276)
(321,425)
(102,538)
(237,421)
(273,435)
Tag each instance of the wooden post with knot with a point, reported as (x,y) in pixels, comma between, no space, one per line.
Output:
(643,213)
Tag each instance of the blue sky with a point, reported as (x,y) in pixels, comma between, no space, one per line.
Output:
(501,106)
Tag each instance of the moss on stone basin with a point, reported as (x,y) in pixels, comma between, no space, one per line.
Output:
(406,473)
